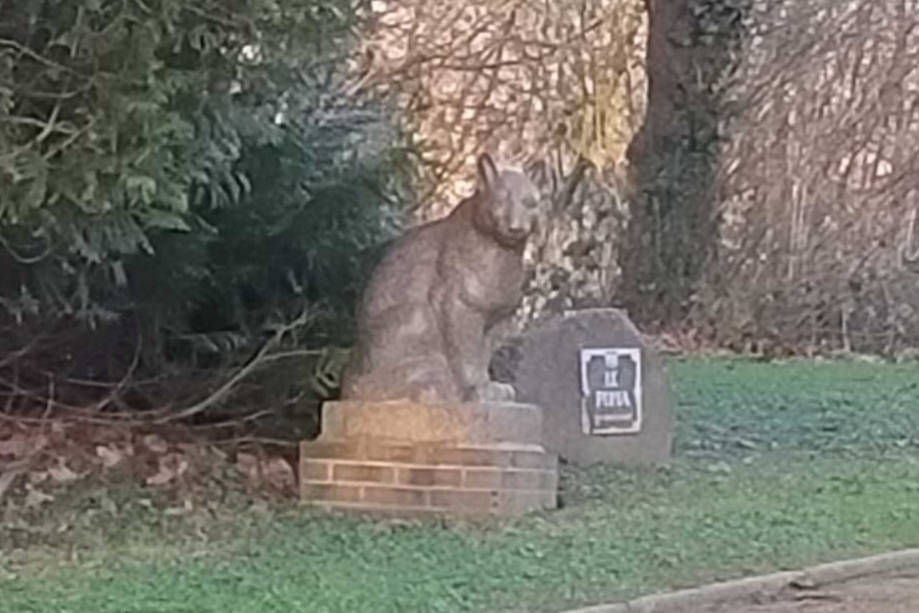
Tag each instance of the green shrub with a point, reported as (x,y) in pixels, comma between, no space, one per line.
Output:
(186,168)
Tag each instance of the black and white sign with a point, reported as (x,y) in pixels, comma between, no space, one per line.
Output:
(611,391)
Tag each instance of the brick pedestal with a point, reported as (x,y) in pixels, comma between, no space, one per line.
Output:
(407,459)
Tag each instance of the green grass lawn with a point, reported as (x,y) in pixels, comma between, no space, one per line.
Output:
(777,465)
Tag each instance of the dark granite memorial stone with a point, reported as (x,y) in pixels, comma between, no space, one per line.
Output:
(602,389)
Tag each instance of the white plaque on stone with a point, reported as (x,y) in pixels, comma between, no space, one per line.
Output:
(611,391)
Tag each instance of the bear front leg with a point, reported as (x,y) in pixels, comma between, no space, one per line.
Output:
(495,390)
(464,345)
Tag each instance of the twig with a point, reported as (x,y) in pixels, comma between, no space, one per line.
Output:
(256,362)
(255,440)
(5,42)
(565,196)
(26,260)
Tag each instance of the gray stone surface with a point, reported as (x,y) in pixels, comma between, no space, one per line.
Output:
(408,421)
(886,583)
(544,366)
(891,594)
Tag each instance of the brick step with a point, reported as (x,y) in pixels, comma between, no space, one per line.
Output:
(406,479)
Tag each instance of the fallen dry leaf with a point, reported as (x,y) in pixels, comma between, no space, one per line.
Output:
(219,453)
(186,508)
(7,478)
(170,467)
(62,473)
(16,446)
(37,443)
(39,476)
(110,456)
(162,477)
(248,465)
(156,444)
(36,498)
(279,473)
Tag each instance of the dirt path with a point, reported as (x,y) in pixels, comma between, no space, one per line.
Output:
(893,594)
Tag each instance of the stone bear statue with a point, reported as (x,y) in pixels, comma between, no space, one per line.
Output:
(428,314)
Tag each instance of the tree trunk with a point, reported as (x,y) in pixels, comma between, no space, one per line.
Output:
(673,227)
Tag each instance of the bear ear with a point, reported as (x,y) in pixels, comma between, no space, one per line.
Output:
(487,172)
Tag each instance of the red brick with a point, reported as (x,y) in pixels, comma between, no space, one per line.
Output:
(534,460)
(525,480)
(468,456)
(314,470)
(482,478)
(549,481)
(352,450)
(333,492)
(379,511)
(430,476)
(512,502)
(387,452)
(465,501)
(363,473)
(498,478)
(393,496)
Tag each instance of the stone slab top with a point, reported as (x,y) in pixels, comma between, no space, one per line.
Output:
(412,422)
